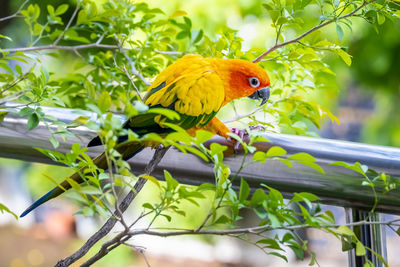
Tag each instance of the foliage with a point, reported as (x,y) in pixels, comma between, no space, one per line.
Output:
(116,48)
(4,209)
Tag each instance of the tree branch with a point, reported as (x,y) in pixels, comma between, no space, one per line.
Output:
(58,47)
(253,230)
(132,66)
(16,13)
(110,223)
(68,24)
(122,237)
(238,116)
(276,46)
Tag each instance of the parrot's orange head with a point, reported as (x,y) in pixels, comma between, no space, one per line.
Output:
(246,79)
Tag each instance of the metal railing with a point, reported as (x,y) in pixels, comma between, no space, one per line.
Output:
(338,186)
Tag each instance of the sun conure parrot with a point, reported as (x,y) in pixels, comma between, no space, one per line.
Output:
(196,88)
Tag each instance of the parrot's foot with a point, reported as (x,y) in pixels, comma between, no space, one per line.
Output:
(244,136)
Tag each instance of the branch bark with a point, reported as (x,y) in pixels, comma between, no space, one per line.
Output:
(122,237)
(295,40)
(110,223)
(16,13)
(59,47)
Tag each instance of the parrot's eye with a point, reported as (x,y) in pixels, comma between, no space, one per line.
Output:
(254,82)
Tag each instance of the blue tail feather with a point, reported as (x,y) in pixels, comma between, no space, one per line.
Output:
(39,202)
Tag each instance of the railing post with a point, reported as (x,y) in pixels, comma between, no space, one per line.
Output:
(372,236)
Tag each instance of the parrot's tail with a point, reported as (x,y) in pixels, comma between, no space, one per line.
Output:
(100,161)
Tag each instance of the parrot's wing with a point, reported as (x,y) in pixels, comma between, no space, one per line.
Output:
(190,87)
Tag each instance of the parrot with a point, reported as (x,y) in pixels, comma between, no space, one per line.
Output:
(196,88)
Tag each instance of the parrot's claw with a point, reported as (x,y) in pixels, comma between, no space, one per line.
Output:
(243,134)
(257,128)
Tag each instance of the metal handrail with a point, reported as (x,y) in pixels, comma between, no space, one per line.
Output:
(338,186)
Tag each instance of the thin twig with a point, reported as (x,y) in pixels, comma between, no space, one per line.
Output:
(238,117)
(169,52)
(78,47)
(11,85)
(110,223)
(253,230)
(68,24)
(276,46)
(131,64)
(140,250)
(122,237)
(16,13)
(132,82)
(59,47)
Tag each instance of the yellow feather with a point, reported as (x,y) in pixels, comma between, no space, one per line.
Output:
(192,84)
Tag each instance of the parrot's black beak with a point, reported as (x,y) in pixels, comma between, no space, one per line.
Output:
(262,93)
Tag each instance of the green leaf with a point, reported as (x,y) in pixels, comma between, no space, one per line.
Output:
(3,209)
(182,34)
(90,189)
(298,251)
(54,141)
(202,136)
(5,37)
(244,190)
(76,196)
(357,167)
(302,157)
(339,32)
(258,197)
(104,101)
(170,114)
(88,211)
(33,121)
(198,37)
(148,206)
(18,69)
(260,156)
(188,22)
(368,264)
(304,196)
(61,9)
(223,219)
(45,73)
(276,151)
(167,217)
(50,9)
(3,115)
(152,179)
(306,159)
(171,182)
(344,230)
(381,18)
(346,244)
(73,35)
(286,162)
(278,255)
(270,243)
(345,56)
(313,258)
(275,223)
(178,13)
(360,249)
(379,256)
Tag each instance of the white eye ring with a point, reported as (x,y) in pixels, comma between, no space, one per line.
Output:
(254,82)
